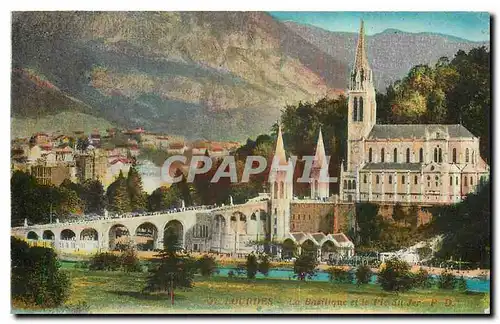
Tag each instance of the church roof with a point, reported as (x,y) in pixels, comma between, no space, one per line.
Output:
(393,166)
(417,131)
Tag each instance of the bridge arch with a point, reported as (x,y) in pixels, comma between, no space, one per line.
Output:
(48,235)
(118,235)
(309,247)
(89,234)
(146,235)
(32,235)
(67,235)
(288,248)
(174,227)
(328,249)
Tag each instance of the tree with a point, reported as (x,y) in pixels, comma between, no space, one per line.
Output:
(447,280)
(363,274)
(164,198)
(395,275)
(36,277)
(129,260)
(207,265)
(94,197)
(251,266)
(104,261)
(398,214)
(172,269)
(135,190)
(339,275)
(82,144)
(369,222)
(423,279)
(305,266)
(118,198)
(264,264)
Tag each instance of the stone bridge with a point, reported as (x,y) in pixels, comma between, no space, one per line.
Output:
(224,229)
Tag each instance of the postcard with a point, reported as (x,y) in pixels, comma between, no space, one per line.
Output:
(250,162)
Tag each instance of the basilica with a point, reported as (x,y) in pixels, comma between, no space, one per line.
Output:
(413,163)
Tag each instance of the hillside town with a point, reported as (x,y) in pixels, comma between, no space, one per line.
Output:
(53,157)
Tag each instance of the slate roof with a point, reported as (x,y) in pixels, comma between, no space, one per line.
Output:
(416,131)
(393,166)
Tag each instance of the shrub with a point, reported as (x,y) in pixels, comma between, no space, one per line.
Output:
(395,275)
(339,275)
(305,266)
(129,261)
(461,284)
(252,266)
(104,261)
(423,279)
(264,264)
(363,274)
(447,280)
(206,265)
(36,277)
(230,274)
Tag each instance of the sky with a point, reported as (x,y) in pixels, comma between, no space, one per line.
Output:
(474,26)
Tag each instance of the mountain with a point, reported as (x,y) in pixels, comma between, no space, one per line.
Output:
(213,75)
(392,53)
(217,75)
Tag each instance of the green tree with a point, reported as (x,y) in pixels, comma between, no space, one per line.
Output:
(36,277)
(264,264)
(447,280)
(129,261)
(164,198)
(207,265)
(251,266)
(305,267)
(339,275)
(369,223)
(94,197)
(423,279)
(395,275)
(118,198)
(363,274)
(138,197)
(398,213)
(172,269)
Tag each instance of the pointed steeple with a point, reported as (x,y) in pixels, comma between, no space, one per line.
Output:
(320,156)
(361,62)
(279,152)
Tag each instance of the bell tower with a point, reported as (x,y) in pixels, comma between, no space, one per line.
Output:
(362,109)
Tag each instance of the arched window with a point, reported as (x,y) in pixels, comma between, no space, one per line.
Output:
(353,184)
(440,155)
(360,109)
(395,155)
(403,179)
(282,189)
(364,178)
(471,182)
(355,110)
(467,155)
(349,184)
(275,190)
(378,179)
(456,181)
(407,155)
(435,154)
(345,184)
(390,179)
(421,155)
(416,179)
(473,157)
(382,155)
(454,155)
(451,180)
(465,181)
(370,156)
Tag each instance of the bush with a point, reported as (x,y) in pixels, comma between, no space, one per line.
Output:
(252,266)
(339,275)
(363,274)
(264,264)
(129,261)
(36,278)
(104,261)
(305,266)
(395,275)
(423,279)
(462,284)
(206,265)
(447,280)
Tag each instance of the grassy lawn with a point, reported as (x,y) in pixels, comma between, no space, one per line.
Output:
(119,292)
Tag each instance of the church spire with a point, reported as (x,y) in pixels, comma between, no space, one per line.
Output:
(320,156)
(279,152)
(361,62)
